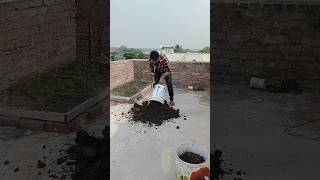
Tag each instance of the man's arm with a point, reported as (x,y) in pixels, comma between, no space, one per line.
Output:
(151,67)
(166,65)
(167,68)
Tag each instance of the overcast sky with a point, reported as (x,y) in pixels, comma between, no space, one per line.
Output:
(150,23)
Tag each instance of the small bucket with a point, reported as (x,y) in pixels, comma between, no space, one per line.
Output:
(158,93)
(187,171)
(257,83)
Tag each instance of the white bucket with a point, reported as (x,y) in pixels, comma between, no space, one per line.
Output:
(184,169)
(257,83)
(158,93)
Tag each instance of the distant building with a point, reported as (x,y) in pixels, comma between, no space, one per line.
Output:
(189,57)
(167,50)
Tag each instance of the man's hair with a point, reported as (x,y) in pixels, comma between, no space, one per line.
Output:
(154,55)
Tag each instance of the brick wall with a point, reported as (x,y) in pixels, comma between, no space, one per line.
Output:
(35,34)
(92,28)
(121,72)
(185,73)
(267,40)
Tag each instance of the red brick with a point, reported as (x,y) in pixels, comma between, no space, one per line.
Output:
(93,113)
(57,127)
(79,122)
(6,121)
(30,124)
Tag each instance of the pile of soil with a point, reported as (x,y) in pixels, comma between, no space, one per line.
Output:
(191,157)
(90,156)
(153,113)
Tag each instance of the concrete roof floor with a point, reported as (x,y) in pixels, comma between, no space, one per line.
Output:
(249,126)
(144,153)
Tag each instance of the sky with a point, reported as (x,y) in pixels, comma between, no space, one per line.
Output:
(151,23)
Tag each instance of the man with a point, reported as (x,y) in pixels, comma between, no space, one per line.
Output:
(160,71)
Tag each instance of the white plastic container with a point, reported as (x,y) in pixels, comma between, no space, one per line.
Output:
(184,170)
(158,93)
(257,83)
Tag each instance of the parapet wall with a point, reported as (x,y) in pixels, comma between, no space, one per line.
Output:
(184,73)
(121,72)
(92,18)
(267,39)
(35,34)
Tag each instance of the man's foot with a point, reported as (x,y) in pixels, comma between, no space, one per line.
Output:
(171,103)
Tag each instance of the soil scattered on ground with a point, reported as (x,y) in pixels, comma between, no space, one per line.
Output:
(41,164)
(90,156)
(192,158)
(153,113)
(62,160)
(218,171)
(216,160)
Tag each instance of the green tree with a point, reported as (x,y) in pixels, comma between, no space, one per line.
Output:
(130,55)
(123,48)
(178,49)
(134,54)
(205,50)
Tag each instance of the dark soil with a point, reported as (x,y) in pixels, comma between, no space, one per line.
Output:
(41,164)
(62,160)
(153,113)
(287,86)
(91,156)
(216,162)
(192,158)
(218,171)
(58,89)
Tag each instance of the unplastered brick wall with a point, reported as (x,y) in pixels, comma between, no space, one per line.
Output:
(92,33)
(35,34)
(267,39)
(121,72)
(184,73)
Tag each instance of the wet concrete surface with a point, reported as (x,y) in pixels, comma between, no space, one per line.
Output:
(248,125)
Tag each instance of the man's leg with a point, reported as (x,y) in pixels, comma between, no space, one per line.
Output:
(169,85)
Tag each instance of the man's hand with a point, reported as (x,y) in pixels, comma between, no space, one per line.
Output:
(161,81)
(152,79)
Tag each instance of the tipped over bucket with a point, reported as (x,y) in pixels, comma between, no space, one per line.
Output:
(158,93)
(192,171)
